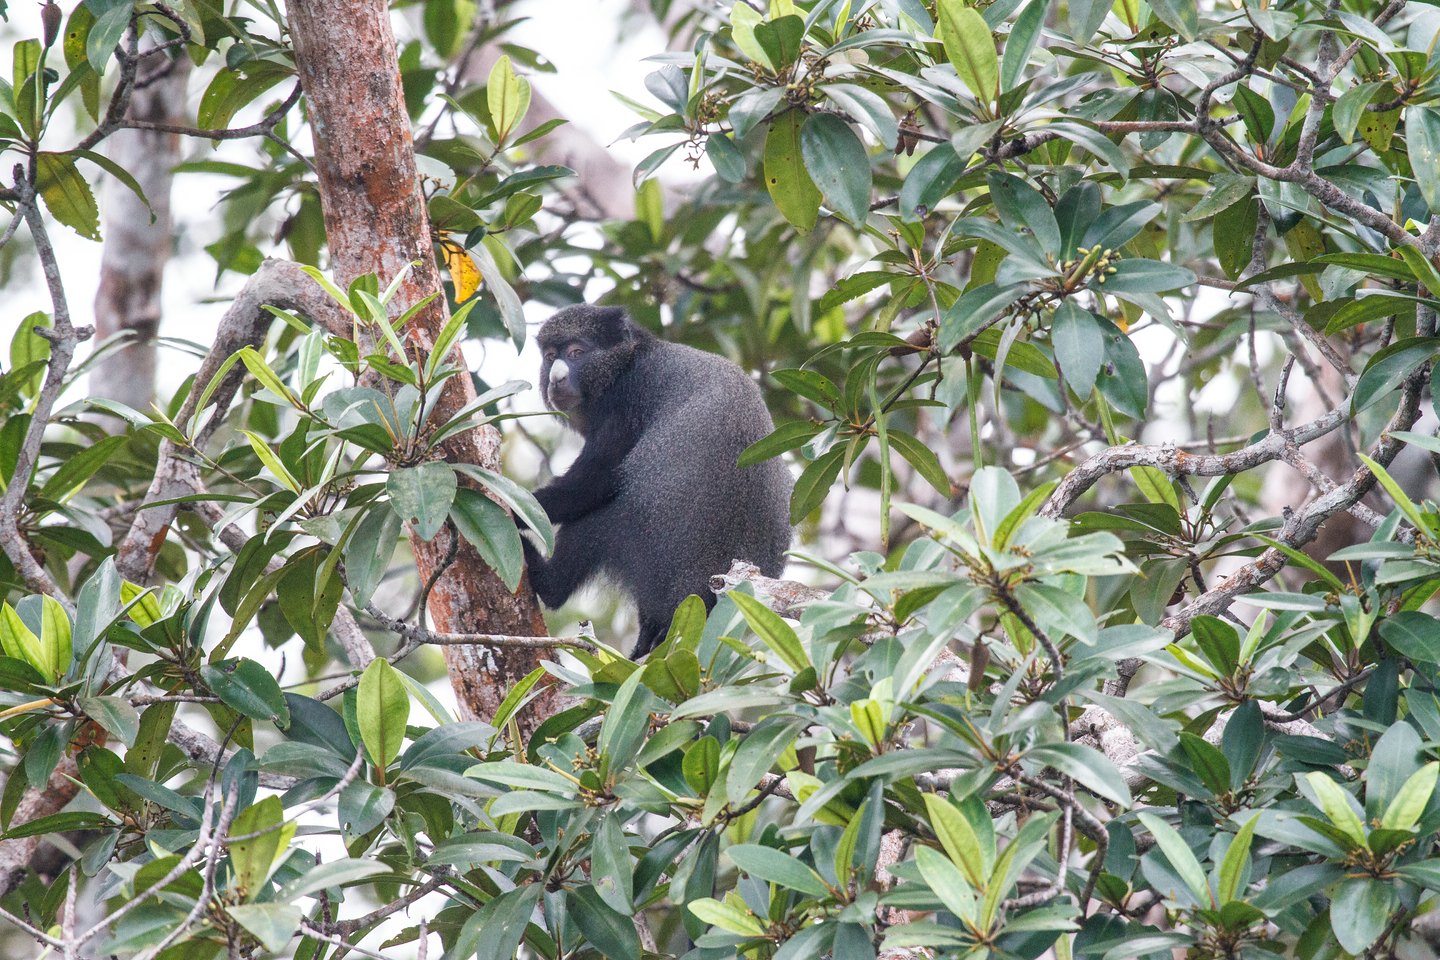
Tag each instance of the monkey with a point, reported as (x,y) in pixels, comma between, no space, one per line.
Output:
(655,501)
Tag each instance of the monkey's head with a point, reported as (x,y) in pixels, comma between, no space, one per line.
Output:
(585,349)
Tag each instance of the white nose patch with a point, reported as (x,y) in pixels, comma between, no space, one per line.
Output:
(559,370)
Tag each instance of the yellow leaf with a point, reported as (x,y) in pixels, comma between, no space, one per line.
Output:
(463,271)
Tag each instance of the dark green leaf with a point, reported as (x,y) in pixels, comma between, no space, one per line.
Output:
(612,933)
(787,436)
(837,163)
(115,715)
(249,688)
(1388,368)
(1079,345)
(422,496)
(489,529)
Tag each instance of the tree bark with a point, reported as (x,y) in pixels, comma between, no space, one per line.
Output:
(376,221)
(132,266)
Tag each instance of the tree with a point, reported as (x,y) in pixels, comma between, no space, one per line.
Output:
(1074,689)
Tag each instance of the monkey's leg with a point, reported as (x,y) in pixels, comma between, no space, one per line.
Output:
(652,633)
(654,627)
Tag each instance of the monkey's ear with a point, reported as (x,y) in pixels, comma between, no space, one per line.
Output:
(614,321)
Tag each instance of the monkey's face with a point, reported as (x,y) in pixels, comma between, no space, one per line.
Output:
(562,373)
(584,348)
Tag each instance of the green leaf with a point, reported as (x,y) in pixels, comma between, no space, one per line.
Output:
(958,838)
(611,867)
(923,459)
(56,644)
(1398,494)
(743,21)
(948,883)
(508,97)
(1024,209)
(1388,368)
(363,807)
(268,378)
(66,194)
(775,632)
(252,858)
(1220,643)
(837,163)
(1091,769)
(757,754)
(96,607)
(726,916)
(231,90)
(610,932)
(627,722)
(791,188)
(334,873)
(1373,305)
(521,501)
(1237,856)
(1422,140)
(523,775)
(248,688)
(271,461)
(1335,802)
(1410,802)
(1024,34)
(490,530)
(773,866)
(727,159)
(381,709)
(814,484)
(787,436)
(1350,107)
(120,719)
(511,310)
(1422,268)
(368,551)
(1181,858)
(495,930)
(1079,345)
(422,496)
(866,108)
(273,924)
(1182,16)
(1227,189)
(1123,381)
(782,38)
(1412,634)
(72,473)
(970,49)
(1360,910)
(19,642)
(1208,762)
(105,34)
(1134,275)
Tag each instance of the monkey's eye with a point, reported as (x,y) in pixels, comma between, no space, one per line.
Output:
(549,356)
(574,352)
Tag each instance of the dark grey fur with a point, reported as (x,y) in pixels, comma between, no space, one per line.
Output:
(654,502)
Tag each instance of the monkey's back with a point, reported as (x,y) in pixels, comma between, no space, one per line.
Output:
(687,509)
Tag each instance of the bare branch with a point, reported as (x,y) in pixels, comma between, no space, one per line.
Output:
(278,283)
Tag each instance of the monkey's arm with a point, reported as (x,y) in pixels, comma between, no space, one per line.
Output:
(593,479)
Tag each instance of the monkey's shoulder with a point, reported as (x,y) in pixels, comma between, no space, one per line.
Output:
(676,374)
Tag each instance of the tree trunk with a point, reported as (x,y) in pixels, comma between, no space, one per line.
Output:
(376,221)
(132,266)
